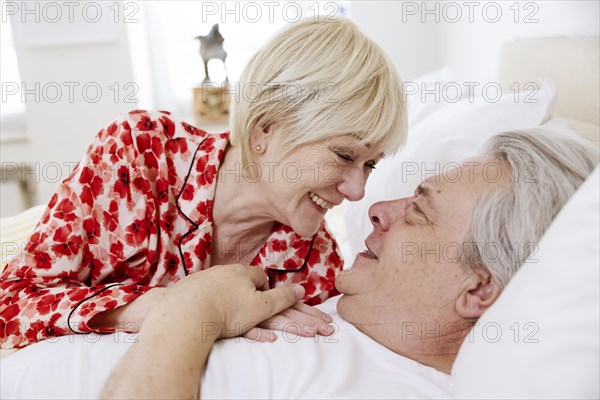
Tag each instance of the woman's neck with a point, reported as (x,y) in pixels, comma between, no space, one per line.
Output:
(240,213)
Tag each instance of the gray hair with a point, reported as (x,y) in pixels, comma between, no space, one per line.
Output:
(546,168)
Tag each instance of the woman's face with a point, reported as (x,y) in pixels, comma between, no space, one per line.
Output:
(313,178)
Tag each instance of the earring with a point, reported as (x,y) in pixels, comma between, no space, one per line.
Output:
(258,148)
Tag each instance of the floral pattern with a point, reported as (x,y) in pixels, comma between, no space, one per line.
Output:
(136,213)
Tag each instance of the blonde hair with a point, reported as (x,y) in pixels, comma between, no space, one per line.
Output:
(316,80)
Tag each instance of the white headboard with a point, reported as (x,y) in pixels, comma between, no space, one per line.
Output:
(572,63)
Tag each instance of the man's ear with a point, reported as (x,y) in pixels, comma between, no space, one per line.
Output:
(478,296)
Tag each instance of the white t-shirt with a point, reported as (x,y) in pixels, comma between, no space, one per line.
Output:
(348,364)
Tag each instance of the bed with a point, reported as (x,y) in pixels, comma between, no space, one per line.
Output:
(569,102)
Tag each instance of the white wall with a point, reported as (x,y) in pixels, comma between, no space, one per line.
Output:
(424,36)
(71,52)
(413,46)
(98,53)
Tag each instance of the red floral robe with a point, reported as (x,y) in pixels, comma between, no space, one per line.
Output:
(137,213)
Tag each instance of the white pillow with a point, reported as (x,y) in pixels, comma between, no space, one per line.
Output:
(420,94)
(451,133)
(541,337)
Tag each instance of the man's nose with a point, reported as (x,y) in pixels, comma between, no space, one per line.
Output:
(383,214)
(352,185)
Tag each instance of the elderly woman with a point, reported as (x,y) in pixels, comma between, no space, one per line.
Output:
(155,200)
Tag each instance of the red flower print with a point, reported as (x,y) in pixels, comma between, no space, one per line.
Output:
(168,126)
(10,312)
(65,244)
(136,232)
(309,289)
(111,304)
(142,185)
(35,240)
(166,222)
(178,145)
(64,210)
(207,145)
(126,137)
(150,160)
(86,176)
(92,230)
(157,146)
(205,208)
(171,262)
(314,257)
(206,171)
(35,328)
(116,253)
(77,295)
(188,260)
(111,218)
(25,272)
(53,201)
(162,190)
(291,263)
(188,192)
(48,302)
(143,142)
(42,260)
(111,129)
(278,245)
(192,129)
(122,184)
(90,192)
(202,249)
(146,124)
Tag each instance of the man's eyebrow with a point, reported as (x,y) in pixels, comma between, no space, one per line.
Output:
(425,191)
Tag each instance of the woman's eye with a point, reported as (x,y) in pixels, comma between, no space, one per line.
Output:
(345,157)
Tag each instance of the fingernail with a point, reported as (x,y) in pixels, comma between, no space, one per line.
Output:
(327,317)
(328,328)
(299,291)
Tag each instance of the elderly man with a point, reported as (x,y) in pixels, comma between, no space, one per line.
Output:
(433,264)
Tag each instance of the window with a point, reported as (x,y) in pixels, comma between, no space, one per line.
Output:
(13,108)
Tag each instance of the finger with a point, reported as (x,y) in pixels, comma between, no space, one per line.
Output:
(258,276)
(283,324)
(300,324)
(310,325)
(278,299)
(313,311)
(261,335)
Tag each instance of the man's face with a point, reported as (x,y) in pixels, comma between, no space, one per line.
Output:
(411,275)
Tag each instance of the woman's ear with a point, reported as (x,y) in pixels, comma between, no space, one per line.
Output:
(478,296)
(260,138)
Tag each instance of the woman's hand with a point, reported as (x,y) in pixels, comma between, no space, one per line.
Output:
(301,319)
(235,296)
(178,333)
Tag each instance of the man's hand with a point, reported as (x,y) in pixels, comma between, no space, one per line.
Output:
(301,319)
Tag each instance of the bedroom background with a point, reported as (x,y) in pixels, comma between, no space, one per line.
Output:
(56,55)
(67,68)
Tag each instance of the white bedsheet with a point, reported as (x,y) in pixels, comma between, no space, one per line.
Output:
(346,365)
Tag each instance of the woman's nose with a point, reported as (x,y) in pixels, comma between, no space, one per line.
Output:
(383,214)
(352,185)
